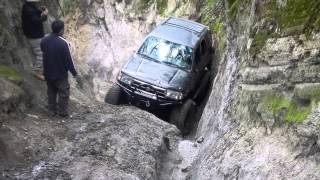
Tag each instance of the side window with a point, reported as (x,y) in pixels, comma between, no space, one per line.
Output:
(198,55)
(204,47)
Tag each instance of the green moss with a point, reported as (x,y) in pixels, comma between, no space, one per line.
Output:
(294,113)
(211,3)
(217,26)
(233,8)
(275,103)
(293,13)
(213,16)
(258,42)
(10,73)
(310,93)
(297,12)
(143,4)
(162,6)
(293,17)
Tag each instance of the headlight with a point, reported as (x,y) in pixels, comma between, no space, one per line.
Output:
(174,95)
(125,79)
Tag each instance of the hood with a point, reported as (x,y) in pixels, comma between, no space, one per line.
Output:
(156,73)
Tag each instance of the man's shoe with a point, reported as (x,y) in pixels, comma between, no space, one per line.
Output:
(52,114)
(64,115)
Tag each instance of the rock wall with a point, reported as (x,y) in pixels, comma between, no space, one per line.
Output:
(261,119)
(18,87)
(105,34)
(17,58)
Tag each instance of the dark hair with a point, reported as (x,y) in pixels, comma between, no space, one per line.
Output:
(57,26)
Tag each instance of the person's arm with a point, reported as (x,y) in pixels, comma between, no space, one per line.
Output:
(69,60)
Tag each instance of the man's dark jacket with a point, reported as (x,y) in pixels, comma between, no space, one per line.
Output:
(32,21)
(57,60)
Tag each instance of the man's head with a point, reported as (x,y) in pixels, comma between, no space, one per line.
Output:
(58,27)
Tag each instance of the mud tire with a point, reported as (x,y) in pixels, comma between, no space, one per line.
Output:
(114,96)
(179,115)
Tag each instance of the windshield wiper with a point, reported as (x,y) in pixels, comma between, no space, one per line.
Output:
(148,57)
(171,64)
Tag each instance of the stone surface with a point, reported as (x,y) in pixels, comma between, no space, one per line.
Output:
(244,139)
(100,142)
(11,96)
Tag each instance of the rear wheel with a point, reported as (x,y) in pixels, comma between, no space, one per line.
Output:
(179,115)
(114,96)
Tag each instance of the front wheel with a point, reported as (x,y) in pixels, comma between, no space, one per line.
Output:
(114,96)
(180,114)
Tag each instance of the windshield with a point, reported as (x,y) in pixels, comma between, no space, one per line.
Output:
(167,52)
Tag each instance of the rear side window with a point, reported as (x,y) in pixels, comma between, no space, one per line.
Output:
(198,56)
(204,47)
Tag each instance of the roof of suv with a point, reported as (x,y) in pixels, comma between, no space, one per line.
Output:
(181,31)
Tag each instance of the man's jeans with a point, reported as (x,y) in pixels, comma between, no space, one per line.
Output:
(58,96)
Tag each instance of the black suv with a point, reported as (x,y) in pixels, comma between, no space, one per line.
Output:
(171,68)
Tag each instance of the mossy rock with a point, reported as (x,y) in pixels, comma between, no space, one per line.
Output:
(291,18)
(213,15)
(234,6)
(294,111)
(68,6)
(10,74)
(217,27)
(142,5)
(308,91)
(162,5)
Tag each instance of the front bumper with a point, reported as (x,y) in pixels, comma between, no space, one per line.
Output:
(149,99)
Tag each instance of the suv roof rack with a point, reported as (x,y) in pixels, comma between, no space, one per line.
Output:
(198,33)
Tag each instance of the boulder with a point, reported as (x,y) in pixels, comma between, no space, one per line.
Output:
(11,97)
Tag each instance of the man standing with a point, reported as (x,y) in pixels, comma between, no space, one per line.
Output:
(33,17)
(57,61)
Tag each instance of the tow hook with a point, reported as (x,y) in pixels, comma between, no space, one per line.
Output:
(147,104)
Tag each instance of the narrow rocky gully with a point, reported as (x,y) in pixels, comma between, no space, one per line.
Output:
(259,118)
(98,141)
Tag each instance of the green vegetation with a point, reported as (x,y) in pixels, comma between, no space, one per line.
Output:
(217,26)
(295,13)
(294,112)
(293,17)
(213,15)
(297,114)
(310,93)
(143,4)
(10,73)
(258,42)
(68,6)
(233,8)
(162,6)
(211,3)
